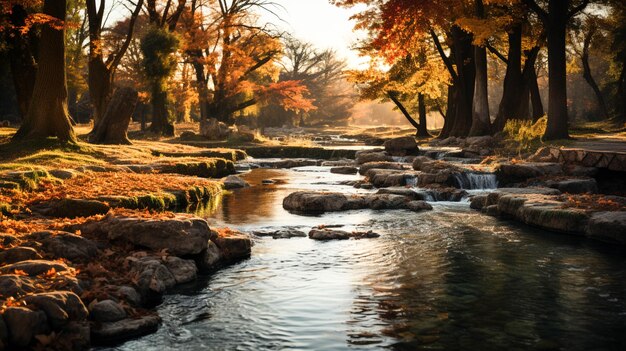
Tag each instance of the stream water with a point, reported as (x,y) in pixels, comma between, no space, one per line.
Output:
(450,278)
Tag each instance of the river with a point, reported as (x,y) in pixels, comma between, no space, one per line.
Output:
(450,278)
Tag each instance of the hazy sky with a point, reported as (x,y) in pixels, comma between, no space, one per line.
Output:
(318,22)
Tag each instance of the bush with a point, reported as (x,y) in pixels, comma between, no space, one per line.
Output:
(525,133)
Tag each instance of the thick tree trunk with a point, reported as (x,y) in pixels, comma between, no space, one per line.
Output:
(113,125)
(589,77)
(512,94)
(557,72)
(21,59)
(201,84)
(47,114)
(422,130)
(160,114)
(394,97)
(535,97)
(481,122)
(464,60)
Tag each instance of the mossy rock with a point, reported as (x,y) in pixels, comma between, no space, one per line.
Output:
(214,168)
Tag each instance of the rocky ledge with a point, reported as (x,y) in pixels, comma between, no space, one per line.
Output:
(544,208)
(126,265)
(315,202)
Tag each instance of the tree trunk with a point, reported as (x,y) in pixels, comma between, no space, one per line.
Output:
(47,114)
(512,94)
(160,115)
(557,72)
(113,125)
(589,77)
(422,130)
(481,122)
(394,97)
(450,113)
(621,95)
(100,83)
(21,59)
(535,97)
(464,60)
(201,84)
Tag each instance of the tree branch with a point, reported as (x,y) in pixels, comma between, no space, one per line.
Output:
(444,57)
(543,15)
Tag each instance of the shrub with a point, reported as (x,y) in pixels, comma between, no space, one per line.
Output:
(525,133)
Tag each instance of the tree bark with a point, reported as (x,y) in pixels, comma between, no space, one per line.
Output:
(481,122)
(589,77)
(160,115)
(47,114)
(466,73)
(512,93)
(422,130)
(113,125)
(21,60)
(450,113)
(535,97)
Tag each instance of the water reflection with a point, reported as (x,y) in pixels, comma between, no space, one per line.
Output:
(446,279)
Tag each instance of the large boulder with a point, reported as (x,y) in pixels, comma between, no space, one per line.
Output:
(125,329)
(209,259)
(23,324)
(12,285)
(380,165)
(18,254)
(575,186)
(315,202)
(106,311)
(383,178)
(366,156)
(184,271)
(608,226)
(234,246)
(66,245)
(152,277)
(312,202)
(344,170)
(60,307)
(179,236)
(401,146)
(234,182)
(330,234)
(509,173)
(34,267)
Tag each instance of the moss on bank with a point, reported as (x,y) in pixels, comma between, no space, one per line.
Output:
(212,168)
(298,152)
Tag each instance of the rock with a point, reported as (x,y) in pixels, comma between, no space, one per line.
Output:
(608,226)
(530,191)
(401,146)
(366,156)
(386,201)
(420,162)
(106,311)
(152,277)
(66,245)
(115,332)
(380,165)
(382,178)
(344,170)
(184,271)
(128,293)
(18,254)
(213,129)
(509,173)
(33,267)
(339,163)
(282,234)
(60,307)
(417,206)
(234,182)
(12,285)
(575,186)
(4,334)
(580,171)
(328,234)
(72,208)
(23,324)
(210,258)
(62,173)
(290,163)
(8,240)
(234,247)
(179,236)
(315,202)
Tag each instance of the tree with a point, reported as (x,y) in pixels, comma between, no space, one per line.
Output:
(102,67)
(47,113)
(159,46)
(555,20)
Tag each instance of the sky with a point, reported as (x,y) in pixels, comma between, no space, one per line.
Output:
(317,21)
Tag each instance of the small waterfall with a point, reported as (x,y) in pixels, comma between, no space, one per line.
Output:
(411,180)
(399,159)
(471,181)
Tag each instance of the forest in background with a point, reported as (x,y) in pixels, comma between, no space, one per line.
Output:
(470,66)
